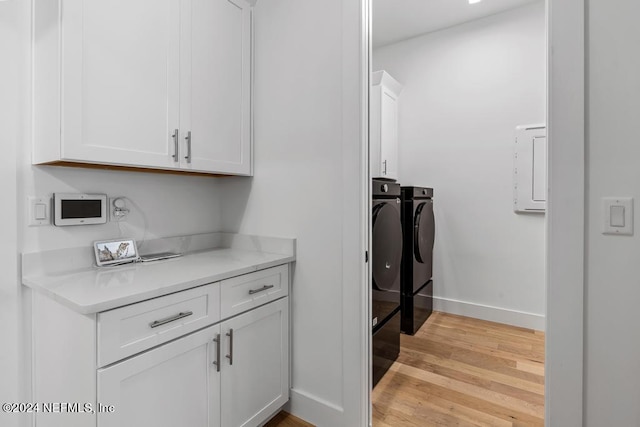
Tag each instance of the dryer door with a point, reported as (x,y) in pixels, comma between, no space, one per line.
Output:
(424,230)
(386,246)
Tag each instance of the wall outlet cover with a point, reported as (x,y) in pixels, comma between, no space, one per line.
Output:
(39,211)
(617,214)
(118,209)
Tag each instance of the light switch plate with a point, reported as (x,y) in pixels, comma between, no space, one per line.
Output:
(617,215)
(37,205)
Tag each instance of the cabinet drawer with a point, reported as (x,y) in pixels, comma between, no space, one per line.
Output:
(128,330)
(251,290)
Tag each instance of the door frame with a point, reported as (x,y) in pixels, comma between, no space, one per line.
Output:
(565,230)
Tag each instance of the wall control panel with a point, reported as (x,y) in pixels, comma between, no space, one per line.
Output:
(79,209)
(63,209)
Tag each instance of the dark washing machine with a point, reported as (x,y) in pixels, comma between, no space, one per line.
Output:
(417,262)
(386,257)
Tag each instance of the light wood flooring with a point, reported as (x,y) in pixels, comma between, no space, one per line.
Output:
(459,371)
(284,419)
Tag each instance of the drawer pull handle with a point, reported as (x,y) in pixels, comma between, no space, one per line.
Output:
(217,361)
(181,315)
(230,355)
(262,289)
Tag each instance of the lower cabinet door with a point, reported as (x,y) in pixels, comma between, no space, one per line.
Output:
(255,368)
(176,384)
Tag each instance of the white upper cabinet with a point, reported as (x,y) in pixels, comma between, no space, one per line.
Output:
(163,84)
(119,81)
(383,135)
(216,85)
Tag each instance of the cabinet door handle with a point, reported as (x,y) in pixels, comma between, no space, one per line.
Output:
(262,289)
(176,146)
(384,172)
(181,315)
(217,361)
(188,138)
(230,355)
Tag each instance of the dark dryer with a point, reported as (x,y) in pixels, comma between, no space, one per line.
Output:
(417,261)
(386,256)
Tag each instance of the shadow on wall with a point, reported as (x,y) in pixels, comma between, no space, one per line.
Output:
(236,192)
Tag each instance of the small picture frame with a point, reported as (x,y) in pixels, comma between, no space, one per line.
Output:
(120,251)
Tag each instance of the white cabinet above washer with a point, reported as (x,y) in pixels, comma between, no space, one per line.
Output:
(383,121)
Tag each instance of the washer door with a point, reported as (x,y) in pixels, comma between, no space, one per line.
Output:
(386,246)
(424,232)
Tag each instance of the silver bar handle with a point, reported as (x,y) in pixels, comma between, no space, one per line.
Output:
(178,316)
(230,355)
(262,289)
(188,138)
(384,172)
(217,361)
(176,146)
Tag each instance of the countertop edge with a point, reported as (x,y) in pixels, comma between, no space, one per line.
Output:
(154,293)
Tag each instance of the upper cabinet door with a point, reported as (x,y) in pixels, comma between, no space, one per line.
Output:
(383,119)
(215,104)
(120,81)
(389,133)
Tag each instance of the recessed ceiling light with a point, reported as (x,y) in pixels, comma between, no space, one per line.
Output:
(474,1)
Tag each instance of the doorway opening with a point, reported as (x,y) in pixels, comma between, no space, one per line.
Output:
(457,90)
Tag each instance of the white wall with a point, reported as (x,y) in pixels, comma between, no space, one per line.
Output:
(466,88)
(12,87)
(171,204)
(612,293)
(303,187)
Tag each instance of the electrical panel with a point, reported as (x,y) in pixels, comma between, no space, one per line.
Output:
(530,169)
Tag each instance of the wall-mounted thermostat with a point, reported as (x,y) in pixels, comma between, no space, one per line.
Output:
(79,209)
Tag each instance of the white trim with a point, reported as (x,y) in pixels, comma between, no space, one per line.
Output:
(565,213)
(356,331)
(314,409)
(367,65)
(490,313)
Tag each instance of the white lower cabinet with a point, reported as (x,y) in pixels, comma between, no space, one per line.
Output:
(193,382)
(176,384)
(211,356)
(255,376)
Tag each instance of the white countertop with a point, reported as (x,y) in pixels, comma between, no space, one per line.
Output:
(94,289)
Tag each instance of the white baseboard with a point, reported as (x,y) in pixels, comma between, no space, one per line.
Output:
(314,410)
(493,314)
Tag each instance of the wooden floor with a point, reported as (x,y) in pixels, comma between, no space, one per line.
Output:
(458,371)
(284,419)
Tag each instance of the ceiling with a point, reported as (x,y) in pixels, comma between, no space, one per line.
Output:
(396,20)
